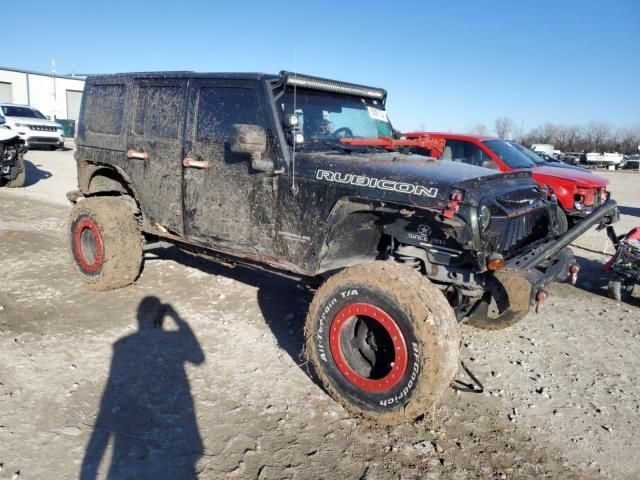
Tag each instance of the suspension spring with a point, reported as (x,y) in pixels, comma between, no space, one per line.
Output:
(409,261)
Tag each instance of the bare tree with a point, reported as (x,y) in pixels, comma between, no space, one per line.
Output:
(479,129)
(597,133)
(548,132)
(504,127)
(518,133)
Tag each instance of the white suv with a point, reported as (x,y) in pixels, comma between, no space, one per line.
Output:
(32,126)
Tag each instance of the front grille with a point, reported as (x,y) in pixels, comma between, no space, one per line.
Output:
(47,140)
(42,128)
(523,230)
(598,197)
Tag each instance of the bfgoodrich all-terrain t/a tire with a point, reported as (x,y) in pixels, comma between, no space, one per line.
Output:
(383,340)
(105,242)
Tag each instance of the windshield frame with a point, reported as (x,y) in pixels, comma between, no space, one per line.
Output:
(352,102)
(34,113)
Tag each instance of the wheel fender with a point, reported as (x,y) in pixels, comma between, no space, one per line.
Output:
(353,235)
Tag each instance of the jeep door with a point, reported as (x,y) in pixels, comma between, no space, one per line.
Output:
(227,204)
(155,149)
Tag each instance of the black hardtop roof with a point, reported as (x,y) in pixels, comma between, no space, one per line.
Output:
(287,78)
(186,74)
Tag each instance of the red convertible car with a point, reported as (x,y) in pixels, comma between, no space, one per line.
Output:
(578,192)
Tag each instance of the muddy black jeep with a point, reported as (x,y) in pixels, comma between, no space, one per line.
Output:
(305,176)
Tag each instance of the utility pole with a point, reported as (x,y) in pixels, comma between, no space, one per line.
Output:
(55,97)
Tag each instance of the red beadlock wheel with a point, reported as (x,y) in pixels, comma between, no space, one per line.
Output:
(88,246)
(368,347)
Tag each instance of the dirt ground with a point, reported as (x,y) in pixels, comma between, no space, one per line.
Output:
(87,384)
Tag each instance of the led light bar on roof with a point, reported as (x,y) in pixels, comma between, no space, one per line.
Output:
(306,81)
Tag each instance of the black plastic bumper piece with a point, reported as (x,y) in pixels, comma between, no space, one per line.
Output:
(603,216)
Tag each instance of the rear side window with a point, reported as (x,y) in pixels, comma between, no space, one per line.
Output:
(159,111)
(465,152)
(104,108)
(220,107)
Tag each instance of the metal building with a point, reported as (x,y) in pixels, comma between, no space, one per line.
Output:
(56,96)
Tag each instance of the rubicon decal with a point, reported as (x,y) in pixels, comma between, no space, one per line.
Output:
(380,184)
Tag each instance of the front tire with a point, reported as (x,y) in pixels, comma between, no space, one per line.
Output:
(619,289)
(480,318)
(383,341)
(20,179)
(105,242)
(563,222)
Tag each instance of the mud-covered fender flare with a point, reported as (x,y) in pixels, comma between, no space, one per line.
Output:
(352,235)
(97,178)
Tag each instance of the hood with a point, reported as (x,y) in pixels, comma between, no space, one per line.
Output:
(33,121)
(7,135)
(410,179)
(566,165)
(581,178)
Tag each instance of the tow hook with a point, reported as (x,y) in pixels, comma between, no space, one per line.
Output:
(573,273)
(541,296)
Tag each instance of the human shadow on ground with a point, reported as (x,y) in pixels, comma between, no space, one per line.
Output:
(147,410)
(283,301)
(34,174)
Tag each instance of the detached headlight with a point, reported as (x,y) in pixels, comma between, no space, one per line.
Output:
(484,217)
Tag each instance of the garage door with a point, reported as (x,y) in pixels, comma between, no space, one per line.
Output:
(6,95)
(74,97)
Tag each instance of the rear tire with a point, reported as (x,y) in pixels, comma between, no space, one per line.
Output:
(383,341)
(105,242)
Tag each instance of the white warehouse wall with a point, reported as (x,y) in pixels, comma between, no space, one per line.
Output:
(49,100)
(18,83)
(38,91)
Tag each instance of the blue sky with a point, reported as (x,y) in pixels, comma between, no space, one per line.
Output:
(447,65)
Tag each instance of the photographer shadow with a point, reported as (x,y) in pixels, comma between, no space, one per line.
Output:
(34,174)
(147,410)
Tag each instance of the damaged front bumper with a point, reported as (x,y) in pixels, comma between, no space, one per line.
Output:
(520,285)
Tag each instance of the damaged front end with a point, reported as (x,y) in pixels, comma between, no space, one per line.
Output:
(494,246)
(12,150)
(520,285)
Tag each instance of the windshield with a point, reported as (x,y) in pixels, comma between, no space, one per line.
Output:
(11,111)
(533,156)
(509,154)
(324,116)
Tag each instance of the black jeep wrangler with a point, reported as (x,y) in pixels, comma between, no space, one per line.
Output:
(303,176)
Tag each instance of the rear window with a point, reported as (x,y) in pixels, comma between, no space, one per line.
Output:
(159,111)
(103,111)
(220,108)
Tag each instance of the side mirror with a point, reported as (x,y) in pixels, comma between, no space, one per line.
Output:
(251,140)
(2,120)
(489,164)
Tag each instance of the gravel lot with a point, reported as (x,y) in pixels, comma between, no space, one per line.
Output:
(219,391)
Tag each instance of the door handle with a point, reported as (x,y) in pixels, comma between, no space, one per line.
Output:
(137,155)
(190,162)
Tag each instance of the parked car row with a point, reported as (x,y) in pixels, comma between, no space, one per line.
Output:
(303,176)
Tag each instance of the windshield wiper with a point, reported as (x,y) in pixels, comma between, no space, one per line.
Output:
(328,143)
